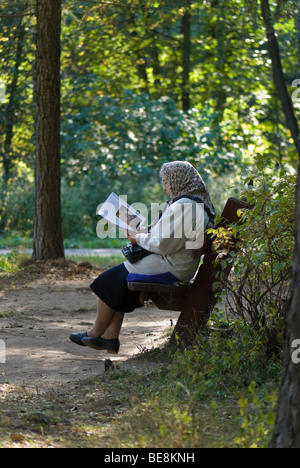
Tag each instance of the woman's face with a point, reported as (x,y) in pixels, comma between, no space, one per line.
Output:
(166,186)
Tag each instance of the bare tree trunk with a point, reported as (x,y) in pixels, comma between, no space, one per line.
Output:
(48,240)
(287,427)
(278,75)
(220,94)
(186,58)
(10,121)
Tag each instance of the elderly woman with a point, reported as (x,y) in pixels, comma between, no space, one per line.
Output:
(169,254)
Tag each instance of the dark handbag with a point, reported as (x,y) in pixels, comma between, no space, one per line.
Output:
(133,252)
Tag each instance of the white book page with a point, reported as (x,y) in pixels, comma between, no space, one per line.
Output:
(118,212)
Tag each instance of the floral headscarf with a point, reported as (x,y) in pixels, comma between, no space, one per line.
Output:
(184,179)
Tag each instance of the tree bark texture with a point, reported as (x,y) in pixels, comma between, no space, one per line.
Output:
(287,426)
(278,75)
(48,240)
(186,57)
(10,121)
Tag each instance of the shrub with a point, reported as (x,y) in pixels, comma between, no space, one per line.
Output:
(257,291)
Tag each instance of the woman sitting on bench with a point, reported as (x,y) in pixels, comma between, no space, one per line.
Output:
(168,254)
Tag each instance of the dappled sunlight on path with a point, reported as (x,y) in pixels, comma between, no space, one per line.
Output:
(35,323)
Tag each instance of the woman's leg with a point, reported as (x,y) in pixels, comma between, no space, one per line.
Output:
(103,319)
(108,323)
(113,330)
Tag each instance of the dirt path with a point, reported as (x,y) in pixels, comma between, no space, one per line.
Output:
(36,319)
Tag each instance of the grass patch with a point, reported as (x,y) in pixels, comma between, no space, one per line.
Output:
(7,314)
(17,263)
(22,240)
(12,262)
(102,263)
(93,242)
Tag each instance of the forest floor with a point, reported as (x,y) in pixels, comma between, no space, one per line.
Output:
(38,311)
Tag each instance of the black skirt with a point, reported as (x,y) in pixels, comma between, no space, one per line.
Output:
(111,287)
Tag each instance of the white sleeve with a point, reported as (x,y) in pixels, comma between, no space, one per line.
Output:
(177,229)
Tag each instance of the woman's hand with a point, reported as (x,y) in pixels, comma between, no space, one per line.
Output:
(131,236)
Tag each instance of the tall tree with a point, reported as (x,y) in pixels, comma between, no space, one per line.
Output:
(278,75)
(287,427)
(186,56)
(11,109)
(48,239)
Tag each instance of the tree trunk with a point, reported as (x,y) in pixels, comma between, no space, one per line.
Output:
(48,240)
(220,95)
(141,64)
(186,58)
(287,426)
(10,121)
(278,75)
(157,72)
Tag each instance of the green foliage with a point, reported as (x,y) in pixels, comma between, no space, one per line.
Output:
(9,263)
(221,392)
(257,425)
(227,358)
(229,366)
(258,289)
(124,149)
(136,133)
(20,200)
(122,87)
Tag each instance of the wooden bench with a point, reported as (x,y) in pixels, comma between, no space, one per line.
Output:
(196,300)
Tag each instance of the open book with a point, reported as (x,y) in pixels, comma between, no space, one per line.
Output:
(118,212)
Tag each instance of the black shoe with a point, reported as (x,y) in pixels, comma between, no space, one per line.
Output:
(77,338)
(102,344)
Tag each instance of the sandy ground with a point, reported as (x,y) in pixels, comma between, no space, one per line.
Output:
(37,318)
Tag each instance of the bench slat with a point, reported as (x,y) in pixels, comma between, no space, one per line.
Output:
(160,288)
